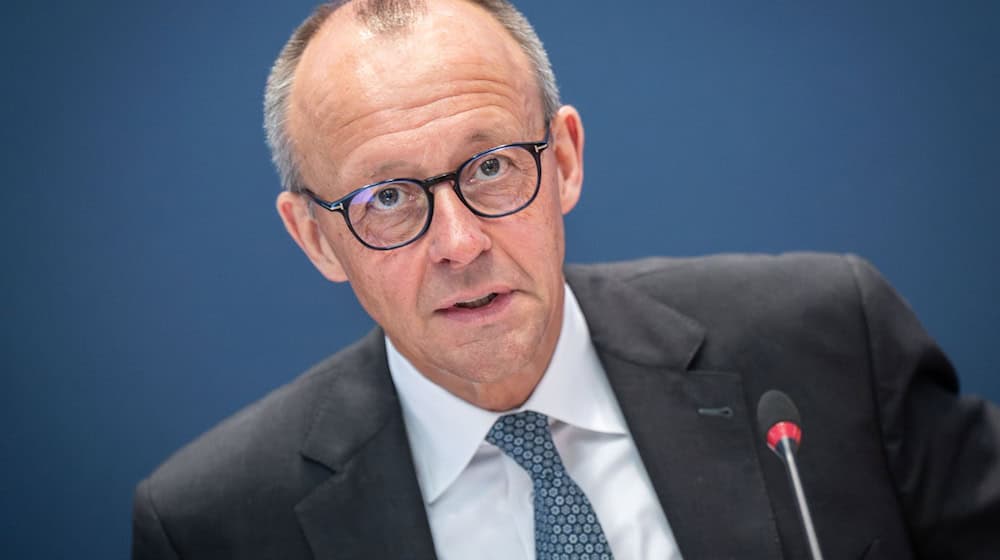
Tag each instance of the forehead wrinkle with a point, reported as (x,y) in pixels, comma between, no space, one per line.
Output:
(502,126)
(318,108)
(490,139)
(460,151)
(380,124)
(416,116)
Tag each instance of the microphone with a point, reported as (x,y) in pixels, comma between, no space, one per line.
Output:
(778,418)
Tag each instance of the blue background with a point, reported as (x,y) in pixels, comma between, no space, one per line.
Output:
(149,289)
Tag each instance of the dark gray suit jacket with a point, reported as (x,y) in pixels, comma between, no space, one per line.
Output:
(894,463)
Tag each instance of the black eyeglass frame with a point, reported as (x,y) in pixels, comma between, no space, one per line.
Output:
(340,205)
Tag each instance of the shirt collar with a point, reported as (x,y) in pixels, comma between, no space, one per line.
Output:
(445,431)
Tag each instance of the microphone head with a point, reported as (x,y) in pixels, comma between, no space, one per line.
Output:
(778,418)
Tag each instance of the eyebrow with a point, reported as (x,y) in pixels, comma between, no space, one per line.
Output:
(383,171)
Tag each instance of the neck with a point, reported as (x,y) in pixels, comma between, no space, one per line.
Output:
(508,394)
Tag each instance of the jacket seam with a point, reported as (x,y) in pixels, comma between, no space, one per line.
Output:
(852,261)
(159,520)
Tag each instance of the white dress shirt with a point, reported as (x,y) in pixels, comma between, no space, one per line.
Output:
(479,501)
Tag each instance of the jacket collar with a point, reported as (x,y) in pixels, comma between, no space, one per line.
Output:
(370,507)
(628,323)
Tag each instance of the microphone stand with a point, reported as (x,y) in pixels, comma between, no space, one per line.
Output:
(787,453)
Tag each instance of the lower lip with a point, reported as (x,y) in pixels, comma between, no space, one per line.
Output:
(479,314)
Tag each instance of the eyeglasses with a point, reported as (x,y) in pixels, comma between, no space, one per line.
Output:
(492,184)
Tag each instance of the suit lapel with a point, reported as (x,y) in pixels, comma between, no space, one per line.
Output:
(692,428)
(370,506)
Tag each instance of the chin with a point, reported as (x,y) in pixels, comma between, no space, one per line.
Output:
(515,357)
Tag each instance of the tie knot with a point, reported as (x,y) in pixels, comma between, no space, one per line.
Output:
(525,437)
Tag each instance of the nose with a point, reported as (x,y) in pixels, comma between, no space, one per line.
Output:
(456,235)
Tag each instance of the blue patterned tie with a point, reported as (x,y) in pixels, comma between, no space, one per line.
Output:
(566,527)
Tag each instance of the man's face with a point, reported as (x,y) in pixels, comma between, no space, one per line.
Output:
(415,104)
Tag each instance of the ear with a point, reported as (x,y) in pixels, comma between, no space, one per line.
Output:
(567,134)
(302,226)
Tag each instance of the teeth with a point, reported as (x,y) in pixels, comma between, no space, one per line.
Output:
(476,302)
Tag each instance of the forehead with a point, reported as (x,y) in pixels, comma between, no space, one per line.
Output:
(453,71)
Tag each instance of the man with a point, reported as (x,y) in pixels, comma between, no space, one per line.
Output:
(501,412)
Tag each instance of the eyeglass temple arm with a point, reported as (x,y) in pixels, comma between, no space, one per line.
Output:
(331,206)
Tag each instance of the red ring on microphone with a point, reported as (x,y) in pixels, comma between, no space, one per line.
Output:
(782,430)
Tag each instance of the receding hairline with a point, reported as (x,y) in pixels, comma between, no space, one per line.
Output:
(393,19)
(341,29)
(386,18)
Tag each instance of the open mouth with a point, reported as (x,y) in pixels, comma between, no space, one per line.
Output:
(485,300)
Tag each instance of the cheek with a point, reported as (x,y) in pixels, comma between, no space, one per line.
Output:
(544,221)
(384,283)
(534,240)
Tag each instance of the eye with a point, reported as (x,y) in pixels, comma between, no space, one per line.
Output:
(491,168)
(387,198)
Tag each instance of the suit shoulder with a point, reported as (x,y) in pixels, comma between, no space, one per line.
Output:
(256,450)
(724,272)
(731,291)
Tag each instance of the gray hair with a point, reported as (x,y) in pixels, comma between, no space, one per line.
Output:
(381,16)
